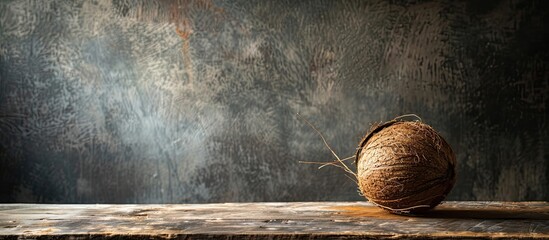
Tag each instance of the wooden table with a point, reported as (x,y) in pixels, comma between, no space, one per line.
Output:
(297,220)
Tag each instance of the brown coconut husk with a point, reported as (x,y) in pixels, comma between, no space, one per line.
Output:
(405,166)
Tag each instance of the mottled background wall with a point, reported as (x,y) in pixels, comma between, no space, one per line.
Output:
(196,101)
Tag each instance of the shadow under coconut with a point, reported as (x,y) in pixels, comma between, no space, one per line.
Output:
(488,213)
(454,211)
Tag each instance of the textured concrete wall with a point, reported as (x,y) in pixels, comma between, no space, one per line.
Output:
(196,101)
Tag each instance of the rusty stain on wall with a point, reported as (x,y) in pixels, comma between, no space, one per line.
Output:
(185,49)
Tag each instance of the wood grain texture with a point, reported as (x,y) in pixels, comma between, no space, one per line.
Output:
(299,220)
(194,101)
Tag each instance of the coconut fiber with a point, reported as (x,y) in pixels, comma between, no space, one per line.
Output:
(405,166)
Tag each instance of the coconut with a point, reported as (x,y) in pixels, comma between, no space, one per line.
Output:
(405,167)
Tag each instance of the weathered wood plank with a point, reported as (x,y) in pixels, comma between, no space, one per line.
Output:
(295,220)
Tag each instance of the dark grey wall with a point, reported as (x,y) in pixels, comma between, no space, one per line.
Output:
(196,101)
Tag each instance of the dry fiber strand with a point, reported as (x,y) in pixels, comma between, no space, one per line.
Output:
(405,166)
